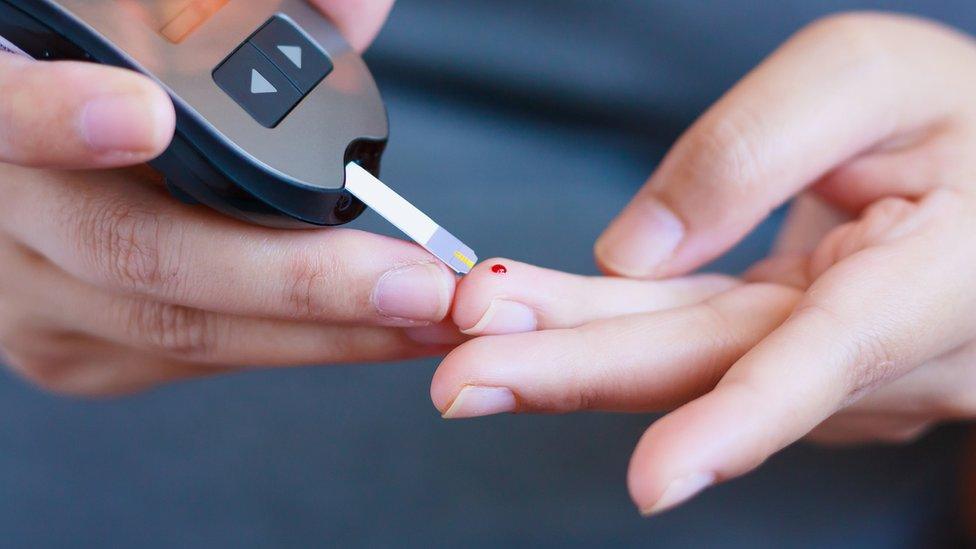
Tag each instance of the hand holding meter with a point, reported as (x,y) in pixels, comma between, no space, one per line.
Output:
(279,121)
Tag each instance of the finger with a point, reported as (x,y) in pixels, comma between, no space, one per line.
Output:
(358,20)
(75,365)
(211,338)
(80,115)
(858,327)
(842,87)
(810,219)
(787,270)
(59,302)
(637,363)
(943,388)
(847,429)
(442,335)
(939,157)
(129,237)
(502,296)
(193,335)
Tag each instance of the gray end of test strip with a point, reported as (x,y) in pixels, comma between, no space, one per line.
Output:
(406,217)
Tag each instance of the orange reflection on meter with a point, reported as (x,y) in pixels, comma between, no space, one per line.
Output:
(183,17)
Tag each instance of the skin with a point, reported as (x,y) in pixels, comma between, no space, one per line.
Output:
(859,326)
(110,286)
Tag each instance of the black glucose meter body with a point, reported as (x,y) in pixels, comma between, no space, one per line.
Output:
(271,102)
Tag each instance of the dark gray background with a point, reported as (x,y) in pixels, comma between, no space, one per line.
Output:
(523,126)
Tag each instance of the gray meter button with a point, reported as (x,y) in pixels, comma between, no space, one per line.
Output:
(257,86)
(297,55)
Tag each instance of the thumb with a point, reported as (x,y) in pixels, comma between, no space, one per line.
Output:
(843,86)
(79,115)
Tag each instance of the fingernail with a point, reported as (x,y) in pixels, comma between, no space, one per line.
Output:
(120,124)
(679,491)
(645,235)
(481,401)
(505,317)
(416,293)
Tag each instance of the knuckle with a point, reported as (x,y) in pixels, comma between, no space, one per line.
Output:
(10,325)
(173,330)
(44,373)
(591,379)
(871,359)
(904,435)
(861,35)
(834,247)
(309,285)
(960,404)
(51,370)
(126,242)
(57,362)
(719,333)
(882,216)
(845,22)
(720,151)
(887,220)
(587,397)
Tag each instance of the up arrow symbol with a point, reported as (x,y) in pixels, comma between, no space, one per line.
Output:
(260,84)
(293,53)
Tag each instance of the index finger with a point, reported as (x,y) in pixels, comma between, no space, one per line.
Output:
(502,296)
(130,237)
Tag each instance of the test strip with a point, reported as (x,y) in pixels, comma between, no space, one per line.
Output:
(6,46)
(406,217)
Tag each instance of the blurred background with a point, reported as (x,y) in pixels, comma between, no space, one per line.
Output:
(523,127)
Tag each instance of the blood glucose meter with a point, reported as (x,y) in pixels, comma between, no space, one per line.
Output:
(279,121)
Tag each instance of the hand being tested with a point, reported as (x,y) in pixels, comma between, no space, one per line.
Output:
(860,326)
(108,285)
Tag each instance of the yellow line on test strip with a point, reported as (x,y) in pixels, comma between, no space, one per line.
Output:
(464,259)
(406,217)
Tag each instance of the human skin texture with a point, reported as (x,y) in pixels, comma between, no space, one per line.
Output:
(860,326)
(107,285)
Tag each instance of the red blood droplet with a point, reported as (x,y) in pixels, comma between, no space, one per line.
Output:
(499,269)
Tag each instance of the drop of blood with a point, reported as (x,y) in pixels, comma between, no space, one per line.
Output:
(499,269)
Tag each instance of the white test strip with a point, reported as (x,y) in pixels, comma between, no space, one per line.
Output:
(6,46)
(406,217)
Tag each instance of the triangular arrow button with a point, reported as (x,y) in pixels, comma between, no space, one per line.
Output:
(260,84)
(293,53)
